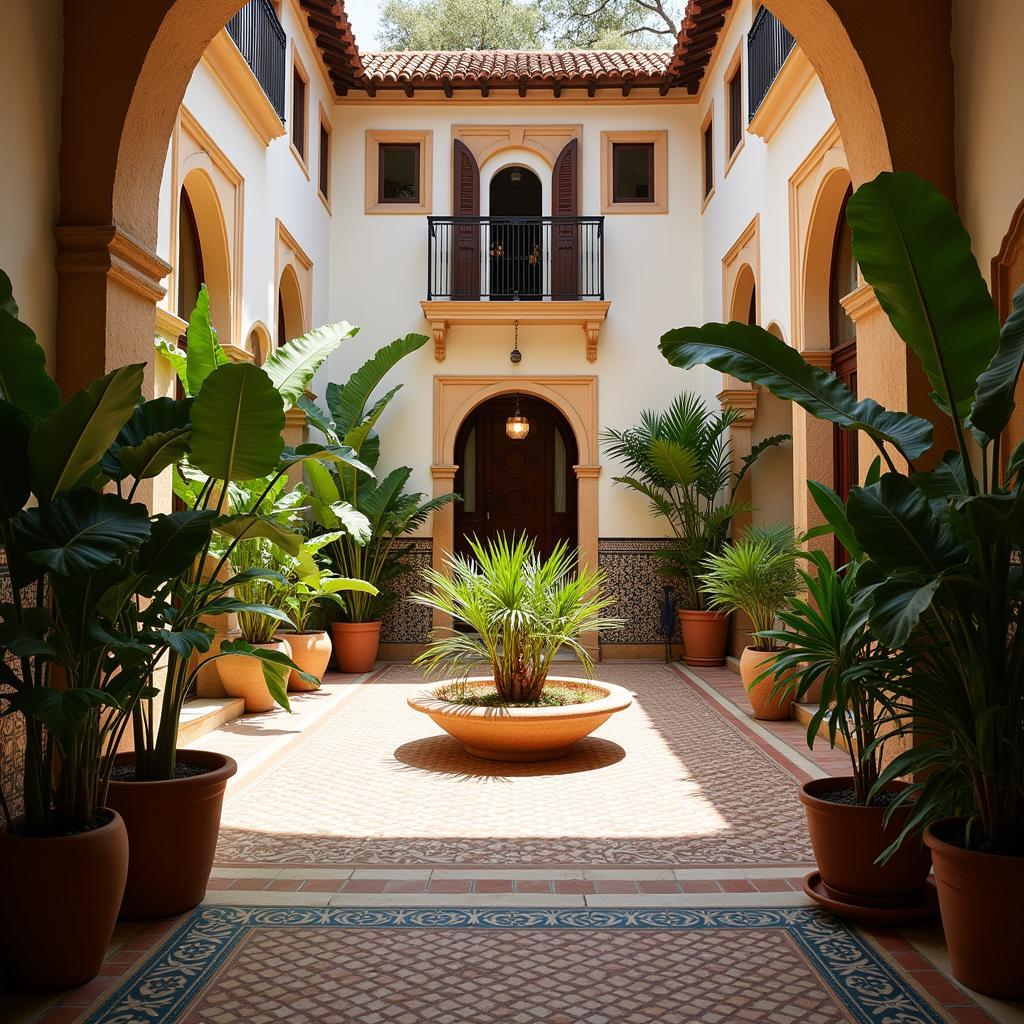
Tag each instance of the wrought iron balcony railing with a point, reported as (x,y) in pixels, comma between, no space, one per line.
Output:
(528,258)
(768,45)
(261,39)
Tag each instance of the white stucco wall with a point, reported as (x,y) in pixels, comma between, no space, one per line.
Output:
(989,143)
(31,57)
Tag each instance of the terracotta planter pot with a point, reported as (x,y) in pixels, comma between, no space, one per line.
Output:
(768,706)
(242,676)
(981,896)
(355,645)
(172,827)
(312,653)
(704,636)
(847,839)
(59,907)
(522,734)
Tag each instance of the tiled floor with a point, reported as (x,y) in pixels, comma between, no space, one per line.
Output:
(353,814)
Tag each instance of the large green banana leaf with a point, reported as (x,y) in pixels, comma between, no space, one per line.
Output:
(24,381)
(203,354)
(14,480)
(292,367)
(155,437)
(913,250)
(994,400)
(753,355)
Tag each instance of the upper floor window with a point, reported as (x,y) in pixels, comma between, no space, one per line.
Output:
(300,87)
(708,157)
(398,171)
(633,172)
(398,176)
(734,98)
(324,164)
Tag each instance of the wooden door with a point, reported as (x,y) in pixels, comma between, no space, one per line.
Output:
(466,237)
(565,257)
(516,487)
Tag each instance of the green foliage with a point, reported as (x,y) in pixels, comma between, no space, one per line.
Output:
(460,25)
(940,584)
(756,575)
(291,367)
(522,611)
(611,24)
(680,460)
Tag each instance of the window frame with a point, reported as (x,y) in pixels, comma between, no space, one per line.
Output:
(324,162)
(648,147)
(373,201)
(734,99)
(301,153)
(382,149)
(658,141)
(707,157)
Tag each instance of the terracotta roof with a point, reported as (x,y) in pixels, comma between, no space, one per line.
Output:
(518,69)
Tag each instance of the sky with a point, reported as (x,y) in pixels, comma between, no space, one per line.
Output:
(364,16)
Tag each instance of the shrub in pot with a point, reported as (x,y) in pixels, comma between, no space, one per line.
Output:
(680,460)
(369,516)
(757,575)
(522,610)
(941,580)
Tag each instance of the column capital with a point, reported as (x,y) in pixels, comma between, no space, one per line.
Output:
(587,472)
(106,249)
(443,472)
(744,401)
(820,357)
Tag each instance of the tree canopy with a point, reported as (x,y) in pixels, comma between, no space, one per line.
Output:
(529,24)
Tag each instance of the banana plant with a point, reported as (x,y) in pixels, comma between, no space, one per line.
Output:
(942,538)
(370,516)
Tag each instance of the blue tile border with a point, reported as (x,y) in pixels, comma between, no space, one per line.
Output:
(168,981)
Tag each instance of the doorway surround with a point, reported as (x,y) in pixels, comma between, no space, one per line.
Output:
(575,397)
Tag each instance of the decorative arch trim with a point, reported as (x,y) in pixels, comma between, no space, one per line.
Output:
(488,141)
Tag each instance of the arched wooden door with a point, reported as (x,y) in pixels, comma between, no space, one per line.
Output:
(516,487)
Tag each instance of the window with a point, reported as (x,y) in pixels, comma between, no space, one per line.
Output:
(398,175)
(633,172)
(299,86)
(708,160)
(734,92)
(324,165)
(189,269)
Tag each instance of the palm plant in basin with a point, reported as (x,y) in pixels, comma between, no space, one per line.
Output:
(516,611)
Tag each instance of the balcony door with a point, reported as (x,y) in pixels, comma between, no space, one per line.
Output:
(514,242)
(516,487)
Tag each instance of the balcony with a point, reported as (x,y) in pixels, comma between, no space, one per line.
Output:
(768,45)
(508,270)
(261,40)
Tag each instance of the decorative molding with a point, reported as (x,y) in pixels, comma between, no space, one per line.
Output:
(588,314)
(231,69)
(610,96)
(820,357)
(659,139)
(425,140)
(288,253)
(861,303)
(237,354)
(487,140)
(106,249)
(794,78)
(743,400)
(169,326)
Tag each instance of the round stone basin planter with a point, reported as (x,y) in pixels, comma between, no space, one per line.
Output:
(522,734)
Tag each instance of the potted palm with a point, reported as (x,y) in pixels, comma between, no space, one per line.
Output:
(373,515)
(941,546)
(681,461)
(521,610)
(757,575)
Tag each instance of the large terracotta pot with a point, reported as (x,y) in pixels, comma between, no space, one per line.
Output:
(242,676)
(704,636)
(981,896)
(172,827)
(355,645)
(522,734)
(312,653)
(767,705)
(847,839)
(59,905)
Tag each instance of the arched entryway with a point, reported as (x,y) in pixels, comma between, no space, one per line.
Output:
(515,260)
(516,486)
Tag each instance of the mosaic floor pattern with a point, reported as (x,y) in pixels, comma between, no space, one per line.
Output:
(227,964)
(669,781)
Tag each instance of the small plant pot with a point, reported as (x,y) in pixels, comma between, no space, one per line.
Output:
(241,675)
(981,896)
(60,904)
(766,705)
(705,635)
(312,653)
(172,827)
(355,645)
(847,839)
(522,734)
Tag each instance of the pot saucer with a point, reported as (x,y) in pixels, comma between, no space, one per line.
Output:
(887,915)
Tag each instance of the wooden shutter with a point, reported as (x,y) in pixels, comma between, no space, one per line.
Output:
(565,262)
(466,237)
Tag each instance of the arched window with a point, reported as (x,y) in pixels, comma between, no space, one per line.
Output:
(842,280)
(189,270)
(203,253)
(290,317)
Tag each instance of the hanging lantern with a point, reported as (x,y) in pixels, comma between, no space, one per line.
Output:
(517,426)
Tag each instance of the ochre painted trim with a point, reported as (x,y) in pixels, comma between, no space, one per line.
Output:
(606,97)
(230,68)
(487,140)
(589,314)
(860,303)
(660,141)
(105,249)
(298,64)
(793,80)
(425,139)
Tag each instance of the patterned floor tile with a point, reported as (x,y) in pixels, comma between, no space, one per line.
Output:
(669,781)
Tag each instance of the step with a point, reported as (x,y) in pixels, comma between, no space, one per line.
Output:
(198,717)
(805,712)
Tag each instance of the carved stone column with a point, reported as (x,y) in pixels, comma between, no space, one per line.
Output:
(587,536)
(444,526)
